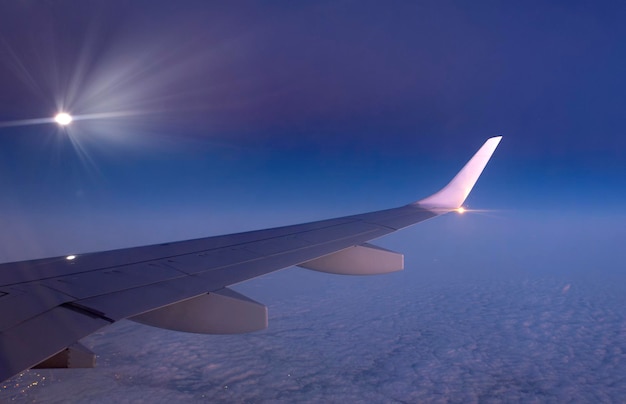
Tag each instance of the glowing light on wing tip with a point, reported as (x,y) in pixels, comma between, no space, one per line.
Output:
(460,210)
(63,118)
(70,257)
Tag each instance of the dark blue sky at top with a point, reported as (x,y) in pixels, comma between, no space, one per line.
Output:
(243,115)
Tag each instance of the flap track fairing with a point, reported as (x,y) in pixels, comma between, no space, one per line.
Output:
(364,259)
(221,312)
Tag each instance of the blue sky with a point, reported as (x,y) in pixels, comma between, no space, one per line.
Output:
(223,118)
(235,113)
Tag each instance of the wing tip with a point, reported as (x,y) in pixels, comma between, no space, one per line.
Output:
(453,195)
(494,139)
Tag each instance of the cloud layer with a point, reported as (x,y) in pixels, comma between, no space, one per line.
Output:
(396,338)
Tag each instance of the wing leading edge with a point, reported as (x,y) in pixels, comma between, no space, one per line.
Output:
(47,305)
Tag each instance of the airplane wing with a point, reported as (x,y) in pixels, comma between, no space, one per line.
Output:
(47,305)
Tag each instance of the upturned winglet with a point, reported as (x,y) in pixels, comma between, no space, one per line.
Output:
(453,195)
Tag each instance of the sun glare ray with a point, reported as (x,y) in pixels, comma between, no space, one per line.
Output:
(63,118)
(15,63)
(82,152)
(26,122)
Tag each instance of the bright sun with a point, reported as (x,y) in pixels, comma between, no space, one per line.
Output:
(63,118)
(460,210)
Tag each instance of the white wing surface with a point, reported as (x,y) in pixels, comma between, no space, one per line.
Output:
(47,305)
